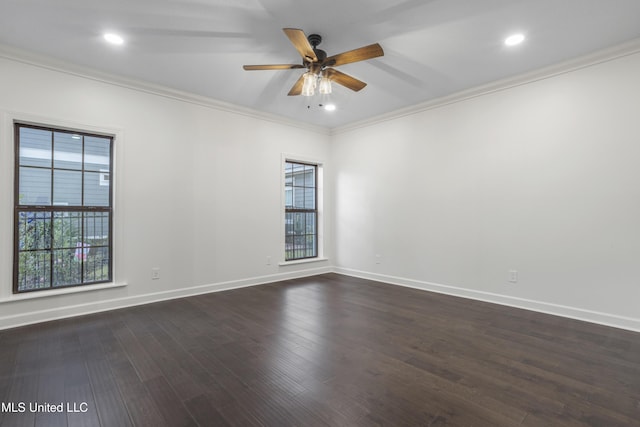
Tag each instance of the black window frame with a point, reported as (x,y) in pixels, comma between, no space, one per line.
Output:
(51,209)
(292,210)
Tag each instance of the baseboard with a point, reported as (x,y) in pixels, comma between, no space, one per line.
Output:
(606,319)
(31,317)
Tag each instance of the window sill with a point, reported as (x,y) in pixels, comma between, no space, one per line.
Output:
(64,291)
(302,261)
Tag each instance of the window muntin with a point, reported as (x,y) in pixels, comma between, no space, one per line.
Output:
(301,210)
(63,210)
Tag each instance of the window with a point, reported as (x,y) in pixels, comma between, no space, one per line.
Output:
(63,208)
(301,210)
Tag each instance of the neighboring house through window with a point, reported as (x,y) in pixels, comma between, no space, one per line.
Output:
(63,208)
(301,210)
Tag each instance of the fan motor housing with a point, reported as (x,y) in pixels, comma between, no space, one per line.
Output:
(320,54)
(315,40)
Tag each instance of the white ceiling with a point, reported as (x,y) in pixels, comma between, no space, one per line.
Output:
(433,48)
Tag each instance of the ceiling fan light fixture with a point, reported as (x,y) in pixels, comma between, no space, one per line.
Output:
(309,85)
(321,73)
(325,85)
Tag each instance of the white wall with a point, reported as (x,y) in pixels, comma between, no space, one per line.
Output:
(197,190)
(542,178)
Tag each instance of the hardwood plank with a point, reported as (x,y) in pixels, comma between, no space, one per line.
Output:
(204,412)
(50,390)
(236,415)
(144,365)
(81,410)
(24,389)
(169,403)
(176,365)
(232,388)
(140,406)
(110,404)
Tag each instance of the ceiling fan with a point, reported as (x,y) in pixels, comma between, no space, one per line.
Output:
(320,72)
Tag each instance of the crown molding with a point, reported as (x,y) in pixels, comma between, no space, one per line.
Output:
(629,48)
(46,62)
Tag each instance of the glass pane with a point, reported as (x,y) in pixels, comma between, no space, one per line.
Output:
(311,246)
(34,270)
(309,198)
(299,223)
(288,224)
(288,247)
(67,188)
(298,175)
(96,228)
(35,186)
(299,246)
(310,223)
(67,152)
(67,267)
(96,265)
(97,153)
(34,231)
(288,197)
(67,229)
(96,189)
(298,197)
(309,176)
(35,147)
(288,174)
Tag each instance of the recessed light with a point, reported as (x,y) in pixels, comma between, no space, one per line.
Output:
(514,39)
(113,38)
(330,107)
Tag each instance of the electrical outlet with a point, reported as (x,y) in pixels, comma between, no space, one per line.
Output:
(513,276)
(155,273)
(378,259)
(268,260)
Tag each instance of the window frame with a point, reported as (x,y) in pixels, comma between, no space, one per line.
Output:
(52,208)
(315,210)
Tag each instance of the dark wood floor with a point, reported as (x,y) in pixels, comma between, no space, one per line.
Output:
(328,350)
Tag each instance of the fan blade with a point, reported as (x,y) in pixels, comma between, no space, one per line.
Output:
(272,67)
(360,54)
(297,87)
(300,42)
(345,79)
